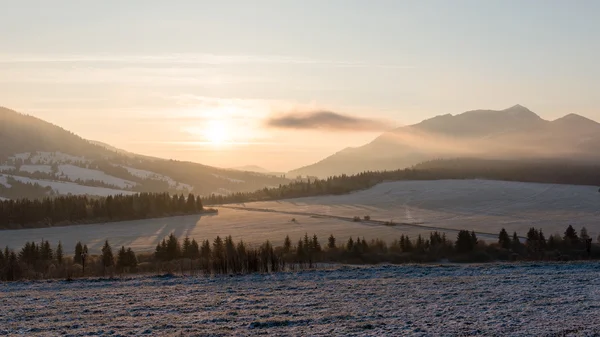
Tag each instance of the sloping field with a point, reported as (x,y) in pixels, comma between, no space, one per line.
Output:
(466,300)
(416,206)
(480,205)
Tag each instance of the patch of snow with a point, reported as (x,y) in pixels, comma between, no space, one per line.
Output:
(76,172)
(237,181)
(143,174)
(3,199)
(50,158)
(36,168)
(4,181)
(6,168)
(65,188)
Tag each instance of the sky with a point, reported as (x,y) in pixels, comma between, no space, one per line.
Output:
(283,84)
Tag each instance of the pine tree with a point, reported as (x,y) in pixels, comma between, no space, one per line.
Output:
(122,259)
(474,240)
(194,250)
(59,253)
(570,237)
(350,245)
(187,248)
(107,258)
(46,253)
(516,242)
(542,240)
(205,251)
(131,258)
(315,244)
(173,249)
(287,244)
(504,239)
(331,242)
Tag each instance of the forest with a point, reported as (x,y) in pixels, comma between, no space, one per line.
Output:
(224,256)
(67,210)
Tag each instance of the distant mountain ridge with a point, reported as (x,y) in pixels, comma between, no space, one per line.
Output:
(40,159)
(512,133)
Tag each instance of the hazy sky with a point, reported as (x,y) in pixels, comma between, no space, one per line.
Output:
(231,83)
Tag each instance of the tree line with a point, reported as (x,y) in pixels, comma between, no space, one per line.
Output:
(226,256)
(82,209)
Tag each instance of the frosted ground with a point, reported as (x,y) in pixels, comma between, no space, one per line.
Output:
(449,300)
(417,206)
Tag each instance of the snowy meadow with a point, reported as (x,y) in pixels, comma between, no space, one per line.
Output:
(542,299)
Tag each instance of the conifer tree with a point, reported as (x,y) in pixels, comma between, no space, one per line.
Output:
(315,244)
(46,253)
(187,248)
(107,258)
(122,259)
(173,249)
(571,237)
(59,253)
(504,239)
(194,250)
(331,242)
(287,244)
(516,242)
(131,258)
(350,245)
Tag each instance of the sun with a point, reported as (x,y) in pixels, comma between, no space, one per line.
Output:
(216,132)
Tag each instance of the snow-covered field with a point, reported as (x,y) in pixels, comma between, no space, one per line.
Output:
(450,300)
(36,168)
(74,173)
(64,188)
(479,205)
(143,174)
(42,157)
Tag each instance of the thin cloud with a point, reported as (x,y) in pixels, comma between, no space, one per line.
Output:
(325,120)
(186,59)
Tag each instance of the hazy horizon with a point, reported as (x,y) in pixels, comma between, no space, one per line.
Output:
(282,85)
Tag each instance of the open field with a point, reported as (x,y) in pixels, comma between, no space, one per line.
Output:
(416,206)
(450,300)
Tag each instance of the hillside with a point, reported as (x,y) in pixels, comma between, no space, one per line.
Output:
(513,133)
(41,159)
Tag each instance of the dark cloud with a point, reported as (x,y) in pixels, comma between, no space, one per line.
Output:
(325,120)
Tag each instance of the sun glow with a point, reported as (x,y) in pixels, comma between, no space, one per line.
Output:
(217,132)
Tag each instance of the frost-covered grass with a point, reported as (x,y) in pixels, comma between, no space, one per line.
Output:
(450,300)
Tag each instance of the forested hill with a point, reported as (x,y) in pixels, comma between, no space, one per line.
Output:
(77,209)
(537,171)
(39,159)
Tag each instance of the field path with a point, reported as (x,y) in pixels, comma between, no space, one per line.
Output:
(372,222)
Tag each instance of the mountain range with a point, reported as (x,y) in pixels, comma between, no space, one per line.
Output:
(40,159)
(513,133)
